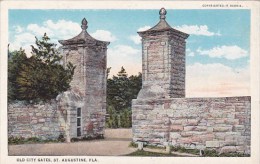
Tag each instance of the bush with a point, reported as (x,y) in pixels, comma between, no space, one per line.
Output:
(119,119)
(87,138)
(21,140)
(133,144)
(15,140)
(61,138)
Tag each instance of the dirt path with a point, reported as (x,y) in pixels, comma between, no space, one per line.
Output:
(88,148)
(116,143)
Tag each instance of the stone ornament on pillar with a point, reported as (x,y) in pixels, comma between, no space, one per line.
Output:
(163,61)
(84,24)
(162,13)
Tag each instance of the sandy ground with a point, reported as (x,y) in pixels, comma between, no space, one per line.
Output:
(115,144)
(88,148)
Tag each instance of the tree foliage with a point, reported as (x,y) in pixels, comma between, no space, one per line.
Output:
(39,77)
(121,89)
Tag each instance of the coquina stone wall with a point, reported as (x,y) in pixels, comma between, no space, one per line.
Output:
(219,123)
(50,120)
(42,121)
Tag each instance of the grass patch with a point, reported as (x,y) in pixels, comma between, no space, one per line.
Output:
(184,150)
(208,152)
(132,144)
(87,138)
(135,145)
(149,154)
(214,153)
(154,147)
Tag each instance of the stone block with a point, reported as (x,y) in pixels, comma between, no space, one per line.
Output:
(231,116)
(220,135)
(34,122)
(238,128)
(201,128)
(240,149)
(222,129)
(141,117)
(38,114)
(228,149)
(219,121)
(149,117)
(195,139)
(176,128)
(183,140)
(178,121)
(186,134)
(231,137)
(231,121)
(213,144)
(189,128)
(228,143)
(192,122)
(209,129)
(175,135)
(240,109)
(45,128)
(23,119)
(41,120)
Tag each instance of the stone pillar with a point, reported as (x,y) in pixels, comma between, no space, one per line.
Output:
(89,55)
(163,70)
(163,58)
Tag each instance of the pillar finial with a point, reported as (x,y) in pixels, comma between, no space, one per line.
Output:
(84,24)
(162,13)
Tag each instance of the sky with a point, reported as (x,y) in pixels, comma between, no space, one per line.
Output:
(217,50)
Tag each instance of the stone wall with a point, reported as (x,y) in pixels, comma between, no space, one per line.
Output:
(42,121)
(49,120)
(218,123)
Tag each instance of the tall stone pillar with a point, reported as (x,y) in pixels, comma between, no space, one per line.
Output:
(89,55)
(163,58)
(163,71)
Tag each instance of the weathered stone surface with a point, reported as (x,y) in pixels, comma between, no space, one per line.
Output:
(89,82)
(222,129)
(174,135)
(176,128)
(213,128)
(41,120)
(30,123)
(228,149)
(211,144)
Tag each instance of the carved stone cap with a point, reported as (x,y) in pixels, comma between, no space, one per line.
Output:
(83,37)
(162,26)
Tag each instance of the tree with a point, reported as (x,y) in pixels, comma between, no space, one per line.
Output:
(15,62)
(121,89)
(40,77)
(117,90)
